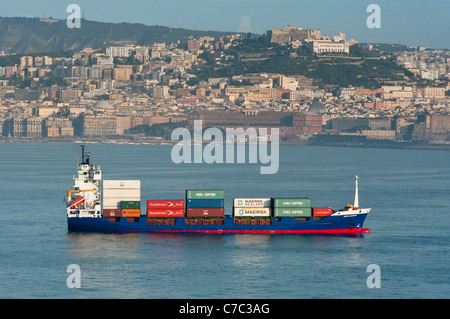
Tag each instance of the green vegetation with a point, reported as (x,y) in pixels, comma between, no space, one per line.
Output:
(14,59)
(362,68)
(26,35)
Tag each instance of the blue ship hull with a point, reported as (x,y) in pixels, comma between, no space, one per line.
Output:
(339,224)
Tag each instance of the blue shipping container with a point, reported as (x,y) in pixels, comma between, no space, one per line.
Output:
(204,203)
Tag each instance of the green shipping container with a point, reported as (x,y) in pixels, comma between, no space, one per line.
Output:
(131,204)
(205,194)
(292,202)
(292,212)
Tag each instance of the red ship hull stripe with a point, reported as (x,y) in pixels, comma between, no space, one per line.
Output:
(353,231)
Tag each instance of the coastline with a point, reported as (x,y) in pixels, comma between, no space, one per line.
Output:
(315,141)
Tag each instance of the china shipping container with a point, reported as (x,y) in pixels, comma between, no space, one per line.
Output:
(125,204)
(204,203)
(322,212)
(292,212)
(292,202)
(205,212)
(252,212)
(165,212)
(163,204)
(252,202)
(205,194)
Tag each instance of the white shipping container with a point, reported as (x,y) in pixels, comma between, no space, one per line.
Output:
(252,212)
(113,203)
(119,193)
(252,202)
(122,184)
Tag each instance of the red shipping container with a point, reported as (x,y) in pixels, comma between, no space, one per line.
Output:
(165,213)
(322,212)
(112,212)
(205,212)
(161,204)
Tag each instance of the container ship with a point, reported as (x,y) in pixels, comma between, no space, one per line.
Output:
(96,205)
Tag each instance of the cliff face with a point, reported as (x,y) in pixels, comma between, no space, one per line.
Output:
(26,35)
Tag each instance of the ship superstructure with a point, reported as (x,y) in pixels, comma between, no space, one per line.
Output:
(84,200)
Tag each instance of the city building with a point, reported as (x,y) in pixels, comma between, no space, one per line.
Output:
(118,51)
(99,125)
(291,34)
(327,46)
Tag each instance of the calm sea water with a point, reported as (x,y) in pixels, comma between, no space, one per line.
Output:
(408,191)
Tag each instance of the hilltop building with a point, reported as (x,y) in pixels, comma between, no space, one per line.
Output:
(291,34)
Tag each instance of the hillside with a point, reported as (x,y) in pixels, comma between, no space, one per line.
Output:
(362,67)
(27,35)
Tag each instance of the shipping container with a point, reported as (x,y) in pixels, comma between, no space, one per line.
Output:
(113,203)
(122,193)
(322,212)
(112,212)
(292,212)
(121,184)
(204,203)
(161,204)
(165,213)
(125,204)
(252,212)
(205,194)
(205,212)
(131,212)
(252,202)
(292,202)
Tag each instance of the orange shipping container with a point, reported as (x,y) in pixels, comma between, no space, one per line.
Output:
(131,212)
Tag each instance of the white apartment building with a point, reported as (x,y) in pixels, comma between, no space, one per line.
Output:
(118,51)
(325,46)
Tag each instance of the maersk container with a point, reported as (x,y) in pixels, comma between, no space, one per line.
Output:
(252,202)
(292,212)
(292,202)
(252,212)
(165,212)
(204,203)
(205,212)
(125,204)
(165,204)
(205,194)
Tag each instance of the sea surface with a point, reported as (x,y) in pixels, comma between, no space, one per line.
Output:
(408,191)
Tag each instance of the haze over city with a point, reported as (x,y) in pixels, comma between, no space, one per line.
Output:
(415,23)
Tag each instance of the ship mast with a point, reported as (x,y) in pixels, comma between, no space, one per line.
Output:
(356,202)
